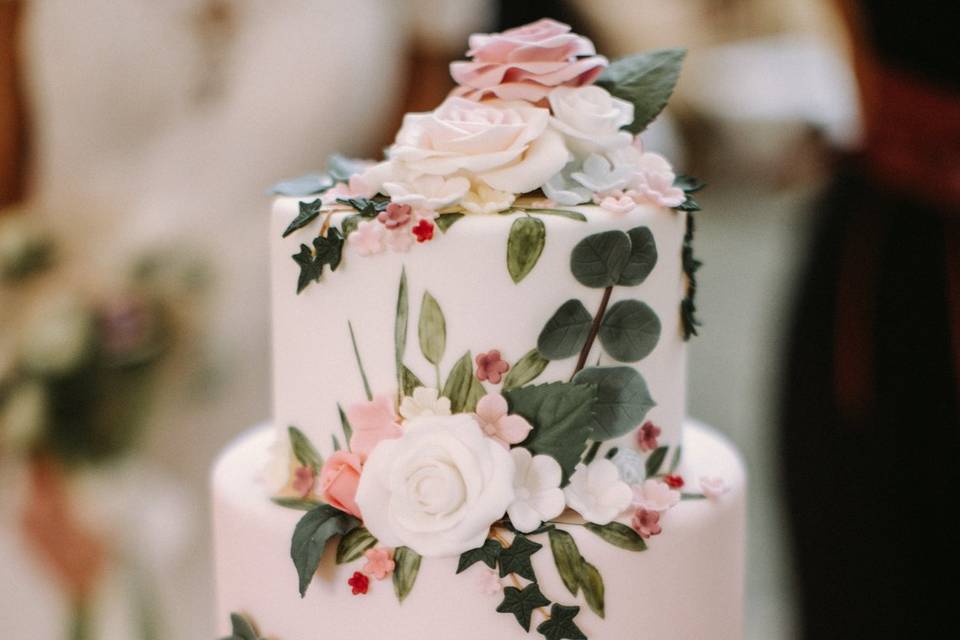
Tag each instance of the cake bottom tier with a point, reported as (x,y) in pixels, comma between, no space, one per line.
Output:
(688,584)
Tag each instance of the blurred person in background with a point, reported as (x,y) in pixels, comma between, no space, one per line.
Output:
(870,425)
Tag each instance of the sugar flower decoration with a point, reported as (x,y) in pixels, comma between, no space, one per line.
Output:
(490,366)
(597,493)
(618,201)
(423,230)
(600,175)
(492,416)
(380,563)
(372,421)
(590,119)
(339,479)
(674,481)
(647,436)
(425,401)
(483,199)
(536,485)
(630,464)
(713,487)
(566,191)
(395,215)
(524,63)
(303,480)
(427,191)
(646,523)
(368,238)
(654,495)
(359,583)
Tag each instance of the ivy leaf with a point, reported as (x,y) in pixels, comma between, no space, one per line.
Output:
(488,554)
(655,461)
(622,400)
(310,269)
(522,603)
(643,257)
(329,249)
(354,544)
(303,450)
(629,331)
(308,212)
(462,387)
(619,535)
(432,329)
(598,260)
(647,80)
(567,558)
(409,380)
(561,414)
(365,207)
(525,370)
(566,331)
(243,629)
(561,626)
(405,573)
(299,504)
(516,558)
(524,246)
(350,224)
(447,220)
(689,204)
(593,590)
(310,538)
(306,185)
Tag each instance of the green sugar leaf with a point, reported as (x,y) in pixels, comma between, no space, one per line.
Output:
(409,380)
(462,387)
(675,460)
(565,332)
(629,331)
(242,628)
(560,625)
(365,207)
(619,535)
(328,249)
(340,167)
(593,589)
(303,450)
(563,213)
(353,545)
(522,603)
(310,537)
(647,80)
(308,213)
(524,246)
(306,185)
(345,425)
(655,461)
(310,269)
(598,260)
(622,400)
(643,257)
(516,558)
(405,573)
(567,557)
(689,184)
(525,370)
(400,328)
(297,504)
(488,554)
(447,220)
(432,329)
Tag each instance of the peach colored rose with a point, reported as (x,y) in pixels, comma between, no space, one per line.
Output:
(526,62)
(339,479)
(372,421)
(380,563)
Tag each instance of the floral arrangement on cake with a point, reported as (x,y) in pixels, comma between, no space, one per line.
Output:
(538,124)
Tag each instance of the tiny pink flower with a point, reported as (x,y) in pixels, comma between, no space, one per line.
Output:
(367,239)
(493,419)
(395,215)
(713,487)
(399,240)
(646,523)
(303,480)
(647,436)
(380,563)
(617,201)
(654,495)
(372,421)
(490,366)
(489,582)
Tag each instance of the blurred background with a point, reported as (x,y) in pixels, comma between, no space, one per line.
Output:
(137,139)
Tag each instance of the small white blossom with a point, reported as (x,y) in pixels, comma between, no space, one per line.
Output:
(482,199)
(713,487)
(536,484)
(425,401)
(597,493)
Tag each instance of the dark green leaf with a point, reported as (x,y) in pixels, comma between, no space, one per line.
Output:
(689,184)
(243,629)
(328,249)
(350,224)
(310,538)
(567,558)
(593,591)
(525,370)
(647,80)
(336,443)
(675,460)
(561,626)
(619,535)
(310,269)
(447,220)
(561,415)
(516,557)
(345,425)
(599,260)
(488,554)
(308,212)
(304,451)
(409,380)
(566,331)
(629,331)
(405,573)
(689,204)
(354,544)
(365,207)
(622,400)
(432,329)
(524,246)
(299,504)
(655,461)
(307,185)
(522,603)
(462,387)
(643,257)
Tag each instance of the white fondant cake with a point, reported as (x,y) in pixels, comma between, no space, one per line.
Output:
(479,378)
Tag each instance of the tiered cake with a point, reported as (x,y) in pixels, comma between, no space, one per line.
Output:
(479,374)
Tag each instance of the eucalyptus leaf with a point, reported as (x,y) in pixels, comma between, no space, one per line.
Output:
(629,331)
(689,184)
(524,246)
(462,387)
(353,545)
(619,535)
(308,213)
(598,260)
(593,589)
(405,573)
(643,257)
(622,400)
(567,557)
(647,80)
(525,370)
(303,450)
(565,332)
(310,538)
(306,185)
(655,461)
(432,329)
(341,168)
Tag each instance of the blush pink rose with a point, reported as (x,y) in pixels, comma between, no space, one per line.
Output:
(372,421)
(526,62)
(339,479)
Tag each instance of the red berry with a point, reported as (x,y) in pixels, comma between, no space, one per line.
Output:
(423,230)
(674,482)
(359,583)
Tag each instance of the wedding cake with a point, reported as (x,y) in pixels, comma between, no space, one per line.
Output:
(479,375)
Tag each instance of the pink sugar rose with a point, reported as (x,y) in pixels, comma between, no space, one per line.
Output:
(646,523)
(372,421)
(303,480)
(654,180)
(647,436)
(493,419)
(526,62)
(490,366)
(395,215)
(380,563)
(339,479)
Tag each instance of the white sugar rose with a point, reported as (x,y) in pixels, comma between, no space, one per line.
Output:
(506,145)
(437,488)
(597,493)
(590,118)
